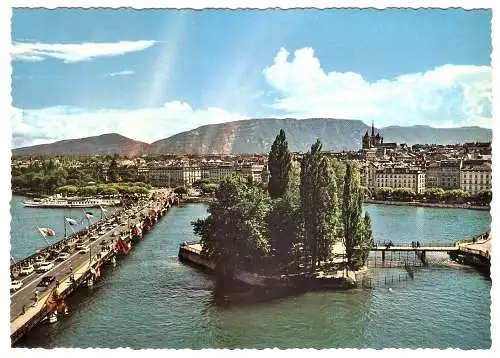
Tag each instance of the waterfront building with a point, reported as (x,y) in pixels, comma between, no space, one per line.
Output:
(368,174)
(172,176)
(400,177)
(252,170)
(186,174)
(443,174)
(215,172)
(475,176)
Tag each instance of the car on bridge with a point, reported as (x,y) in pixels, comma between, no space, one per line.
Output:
(38,261)
(45,266)
(46,281)
(63,256)
(15,285)
(83,250)
(26,270)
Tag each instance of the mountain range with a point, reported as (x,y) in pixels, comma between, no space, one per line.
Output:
(257,136)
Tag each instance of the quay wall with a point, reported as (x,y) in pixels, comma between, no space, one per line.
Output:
(190,253)
(195,257)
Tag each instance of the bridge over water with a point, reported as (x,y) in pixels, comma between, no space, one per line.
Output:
(476,251)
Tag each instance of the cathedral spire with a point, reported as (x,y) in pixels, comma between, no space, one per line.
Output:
(373,129)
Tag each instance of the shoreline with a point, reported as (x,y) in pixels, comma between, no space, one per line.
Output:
(208,200)
(428,205)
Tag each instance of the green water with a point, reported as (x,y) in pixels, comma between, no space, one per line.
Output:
(150,300)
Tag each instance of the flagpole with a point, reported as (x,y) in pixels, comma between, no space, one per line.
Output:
(90,244)
(47,241)
(38,229)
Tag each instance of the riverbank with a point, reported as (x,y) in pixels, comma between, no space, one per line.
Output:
(428,205)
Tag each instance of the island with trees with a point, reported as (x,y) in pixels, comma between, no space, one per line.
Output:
(305,229)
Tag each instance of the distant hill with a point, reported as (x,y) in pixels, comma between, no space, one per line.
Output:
(257,136)
(104,144)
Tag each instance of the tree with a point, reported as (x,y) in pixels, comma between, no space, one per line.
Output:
(283,223)
(351,213)
(234,235)
(318,204)
(434,194)
(366,242)
(456,196)
(403,194)
(113,175)
(383,193)
(68,190)
(279,163)
(482,198)
(208,188)
(181,190)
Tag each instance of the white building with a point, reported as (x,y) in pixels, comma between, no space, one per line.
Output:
(475,176)
(400,177)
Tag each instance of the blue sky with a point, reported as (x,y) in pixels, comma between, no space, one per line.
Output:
(151,74)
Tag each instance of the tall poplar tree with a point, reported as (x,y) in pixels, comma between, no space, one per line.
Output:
(279,163)
(352,212)
(318,205)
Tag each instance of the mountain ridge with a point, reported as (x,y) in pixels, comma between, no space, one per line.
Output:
(256,136)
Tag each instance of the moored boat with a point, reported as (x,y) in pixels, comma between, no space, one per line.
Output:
(59,202)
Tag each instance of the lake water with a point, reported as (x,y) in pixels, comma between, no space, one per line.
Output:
(151,300)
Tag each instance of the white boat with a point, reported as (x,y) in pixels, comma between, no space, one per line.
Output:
(53,318)
(59,202)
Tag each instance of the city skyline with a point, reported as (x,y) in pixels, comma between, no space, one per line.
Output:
(178,70)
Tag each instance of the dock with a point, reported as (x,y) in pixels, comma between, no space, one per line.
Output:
(27,310)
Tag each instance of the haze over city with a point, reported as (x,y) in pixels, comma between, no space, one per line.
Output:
(149,74)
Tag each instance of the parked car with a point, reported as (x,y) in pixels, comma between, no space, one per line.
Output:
(15,285)
(46,281)
(44,267)
(115,233)
(63,256)
(38,261)
(84,250)
(26,270)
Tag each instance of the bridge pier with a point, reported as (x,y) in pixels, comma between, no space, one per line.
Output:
(383,257)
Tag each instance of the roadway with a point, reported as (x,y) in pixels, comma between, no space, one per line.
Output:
(61,270)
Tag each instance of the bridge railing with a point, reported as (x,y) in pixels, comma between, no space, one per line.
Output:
(409,244)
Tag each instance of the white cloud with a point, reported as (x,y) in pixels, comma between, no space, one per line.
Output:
(447,96)
(46,125)
(120,73)
(76,52)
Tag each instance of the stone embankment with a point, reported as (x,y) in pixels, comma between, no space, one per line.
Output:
(190,252)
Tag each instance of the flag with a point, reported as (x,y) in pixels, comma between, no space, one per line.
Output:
(122,246)
(71,221)
(89,214)
(53,300)
(46,231)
